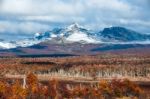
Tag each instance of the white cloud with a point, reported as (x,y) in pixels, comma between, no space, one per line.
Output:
(62,8)
(22,27)
(109,4)
(137,22)
(15,6)
(40,7)
(26,15)
(55,18)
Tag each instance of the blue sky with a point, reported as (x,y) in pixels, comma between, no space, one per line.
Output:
(21,18)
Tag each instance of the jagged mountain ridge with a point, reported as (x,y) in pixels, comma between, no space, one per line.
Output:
(72,33)
(76,33)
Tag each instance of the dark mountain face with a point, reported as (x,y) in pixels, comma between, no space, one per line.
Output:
(122,34)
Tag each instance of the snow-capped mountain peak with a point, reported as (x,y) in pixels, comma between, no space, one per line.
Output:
(69,34)
(74,26)
(77,33)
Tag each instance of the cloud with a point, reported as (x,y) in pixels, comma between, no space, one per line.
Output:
(55,18)
(29,16)
(38,7)
(22,27)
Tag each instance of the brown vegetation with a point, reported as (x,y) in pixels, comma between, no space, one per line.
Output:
(90,69)
(58,90)
(104,66)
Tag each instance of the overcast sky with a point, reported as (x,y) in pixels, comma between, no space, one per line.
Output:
(25,17)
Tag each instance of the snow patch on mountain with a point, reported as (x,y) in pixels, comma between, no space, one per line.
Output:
(27,42)
(53,36)
(6,45)
(21,43)
(80,36)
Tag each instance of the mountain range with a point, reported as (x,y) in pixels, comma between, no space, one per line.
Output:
(76,33)
(77,40)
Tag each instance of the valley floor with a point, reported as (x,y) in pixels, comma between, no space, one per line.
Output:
(80,69)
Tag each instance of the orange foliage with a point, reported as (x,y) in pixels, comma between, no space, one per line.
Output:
(54,89)
(17,91)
